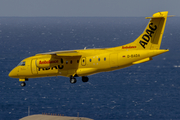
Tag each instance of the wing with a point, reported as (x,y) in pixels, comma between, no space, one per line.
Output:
(63,53)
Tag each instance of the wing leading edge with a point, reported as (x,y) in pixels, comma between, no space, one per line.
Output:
(63,53)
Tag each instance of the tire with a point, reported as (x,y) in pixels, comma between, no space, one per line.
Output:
(23,84)
(85,79)
(72,80)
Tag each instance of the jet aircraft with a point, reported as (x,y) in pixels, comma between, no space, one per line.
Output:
(85,62)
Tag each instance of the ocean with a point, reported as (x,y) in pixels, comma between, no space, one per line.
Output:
(146,91)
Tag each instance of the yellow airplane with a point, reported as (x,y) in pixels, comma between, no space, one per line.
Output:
(81,63)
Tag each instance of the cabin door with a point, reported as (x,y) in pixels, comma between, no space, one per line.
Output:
(113,60)
(33,66)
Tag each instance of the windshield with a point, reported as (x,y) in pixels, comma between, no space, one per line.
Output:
(21,64)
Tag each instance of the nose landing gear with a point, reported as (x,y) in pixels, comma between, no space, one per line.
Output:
(23,81)
(23,84)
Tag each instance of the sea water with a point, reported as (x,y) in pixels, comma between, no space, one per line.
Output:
(144,91)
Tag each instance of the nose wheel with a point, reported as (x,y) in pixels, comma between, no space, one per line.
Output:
(23,84)
(23,81)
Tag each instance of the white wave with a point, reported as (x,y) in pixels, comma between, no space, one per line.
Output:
(176,66)
(113,107)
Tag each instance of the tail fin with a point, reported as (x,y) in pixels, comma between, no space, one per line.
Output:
(152,35)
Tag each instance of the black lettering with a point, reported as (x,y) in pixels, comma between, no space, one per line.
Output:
(47,68)
(146,38)
(54,67)
(150,26)
(61,60)
(61,67)
(149,32)
(40,69)
(128,56)
(142,43)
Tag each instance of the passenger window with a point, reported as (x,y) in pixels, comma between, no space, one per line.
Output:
(104,59)
(90,60)
(66,62)
(98,59)
(71,61)
(21,64)
(77,61)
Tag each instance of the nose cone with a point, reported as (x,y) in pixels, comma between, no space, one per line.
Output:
(13,73)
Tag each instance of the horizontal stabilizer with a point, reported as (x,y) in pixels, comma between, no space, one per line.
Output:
(159,17)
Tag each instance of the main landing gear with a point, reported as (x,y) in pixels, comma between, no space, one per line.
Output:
(73,79)
(85,79)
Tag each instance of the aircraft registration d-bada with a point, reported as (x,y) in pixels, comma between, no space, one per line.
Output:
(81,63)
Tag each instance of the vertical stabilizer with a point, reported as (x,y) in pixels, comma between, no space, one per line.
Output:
(151,38)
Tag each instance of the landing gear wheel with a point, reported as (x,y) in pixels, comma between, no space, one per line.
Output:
(85,79)
(23,84)
(72,80)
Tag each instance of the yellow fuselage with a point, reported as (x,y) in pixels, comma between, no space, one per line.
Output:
(92,61)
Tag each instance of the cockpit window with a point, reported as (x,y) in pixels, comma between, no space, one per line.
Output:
(21,64)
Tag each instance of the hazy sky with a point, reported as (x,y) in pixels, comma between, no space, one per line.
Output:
(87,8)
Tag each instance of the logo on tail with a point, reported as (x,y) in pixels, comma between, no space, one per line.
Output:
(148,35)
